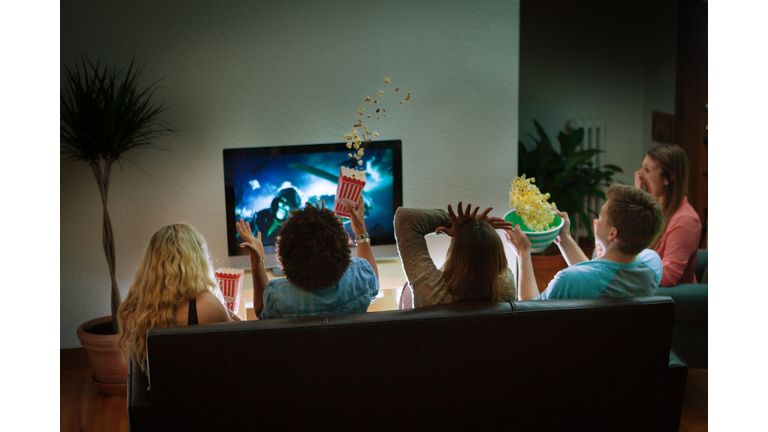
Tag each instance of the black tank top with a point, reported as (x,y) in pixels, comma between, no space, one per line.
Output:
(192,317)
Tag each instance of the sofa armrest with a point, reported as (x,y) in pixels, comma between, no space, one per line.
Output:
(138,384)
(674,391)
(691,301)
(675,361)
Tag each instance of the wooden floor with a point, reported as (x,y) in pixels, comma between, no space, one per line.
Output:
(695,415)
(84,409)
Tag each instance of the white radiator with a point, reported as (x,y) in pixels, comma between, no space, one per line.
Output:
(594,138)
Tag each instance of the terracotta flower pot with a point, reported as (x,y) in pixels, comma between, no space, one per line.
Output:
(545,267)
(108,367)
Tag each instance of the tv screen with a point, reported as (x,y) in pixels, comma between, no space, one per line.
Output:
(263,184)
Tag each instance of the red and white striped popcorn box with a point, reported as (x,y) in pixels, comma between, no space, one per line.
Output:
(348,190)
(231,285)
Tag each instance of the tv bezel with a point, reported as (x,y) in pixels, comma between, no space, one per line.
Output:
(383,247)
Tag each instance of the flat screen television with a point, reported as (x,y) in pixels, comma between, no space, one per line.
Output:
(263,184)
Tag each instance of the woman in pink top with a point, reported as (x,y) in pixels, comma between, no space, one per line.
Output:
(665,176)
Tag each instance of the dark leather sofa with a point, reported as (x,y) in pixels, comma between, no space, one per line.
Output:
(690,331)
(590,364)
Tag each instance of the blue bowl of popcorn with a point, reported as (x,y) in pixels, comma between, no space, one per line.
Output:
(539,239)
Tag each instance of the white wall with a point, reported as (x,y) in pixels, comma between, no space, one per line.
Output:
(600,59)
(246,73)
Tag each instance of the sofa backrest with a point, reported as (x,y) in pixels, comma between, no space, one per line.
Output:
(425,363)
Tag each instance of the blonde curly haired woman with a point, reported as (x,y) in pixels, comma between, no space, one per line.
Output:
(174,286)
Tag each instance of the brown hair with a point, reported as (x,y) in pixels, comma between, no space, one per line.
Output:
(673,162)
(636,215)
(474,264)
(313,248)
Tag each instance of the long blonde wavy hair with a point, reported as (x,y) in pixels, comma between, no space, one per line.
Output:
(175,268)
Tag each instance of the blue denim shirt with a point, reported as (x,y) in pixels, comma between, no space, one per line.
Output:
(353,293)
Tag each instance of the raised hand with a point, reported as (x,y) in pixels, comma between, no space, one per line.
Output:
(639,180)
(458,219)
(519,241)
(233,316)
(496,222)
(598,247)
(357,216)
(565,231)
(253,244)
(357,220)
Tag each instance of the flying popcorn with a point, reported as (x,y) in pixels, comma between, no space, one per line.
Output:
(530,204)
(356,140)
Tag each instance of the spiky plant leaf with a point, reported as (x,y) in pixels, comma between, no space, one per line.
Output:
(105,117)
(568,176)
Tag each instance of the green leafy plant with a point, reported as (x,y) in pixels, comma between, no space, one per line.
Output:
(568,176)
(105,118)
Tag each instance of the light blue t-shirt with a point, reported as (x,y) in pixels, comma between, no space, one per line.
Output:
(601,277)
(352,293)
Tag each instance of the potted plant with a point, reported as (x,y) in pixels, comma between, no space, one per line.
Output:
(569,176)
(105,117)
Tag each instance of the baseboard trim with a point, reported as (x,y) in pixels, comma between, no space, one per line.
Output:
(74,357)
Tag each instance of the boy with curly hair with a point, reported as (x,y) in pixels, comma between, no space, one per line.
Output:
(321,276)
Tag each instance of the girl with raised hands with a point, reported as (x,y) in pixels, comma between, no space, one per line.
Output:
(475,267)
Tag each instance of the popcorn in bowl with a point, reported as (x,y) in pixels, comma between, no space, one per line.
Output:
(530,209)
(530,204)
